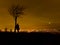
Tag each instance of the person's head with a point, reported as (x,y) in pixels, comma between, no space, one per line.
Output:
(17,24)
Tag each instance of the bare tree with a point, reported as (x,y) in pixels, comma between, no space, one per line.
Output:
(16,11)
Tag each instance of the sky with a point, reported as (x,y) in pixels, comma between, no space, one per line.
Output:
(39,14)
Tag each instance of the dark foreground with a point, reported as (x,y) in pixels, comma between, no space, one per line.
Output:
(29,38)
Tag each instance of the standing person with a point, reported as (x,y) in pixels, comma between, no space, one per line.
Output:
(5,29)
(10,30)
(17,27)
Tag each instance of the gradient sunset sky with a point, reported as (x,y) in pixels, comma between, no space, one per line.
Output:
(39,14)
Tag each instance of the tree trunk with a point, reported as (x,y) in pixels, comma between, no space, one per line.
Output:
(15,23)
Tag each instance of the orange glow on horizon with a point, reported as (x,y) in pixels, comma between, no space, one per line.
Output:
(33,30)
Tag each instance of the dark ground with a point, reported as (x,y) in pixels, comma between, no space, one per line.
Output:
(29,38)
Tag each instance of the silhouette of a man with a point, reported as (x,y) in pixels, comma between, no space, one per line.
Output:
(17,27)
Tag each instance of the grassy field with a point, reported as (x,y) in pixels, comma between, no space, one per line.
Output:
(28,38)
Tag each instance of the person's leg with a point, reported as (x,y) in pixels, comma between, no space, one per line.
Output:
(15,30)
(18,30)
